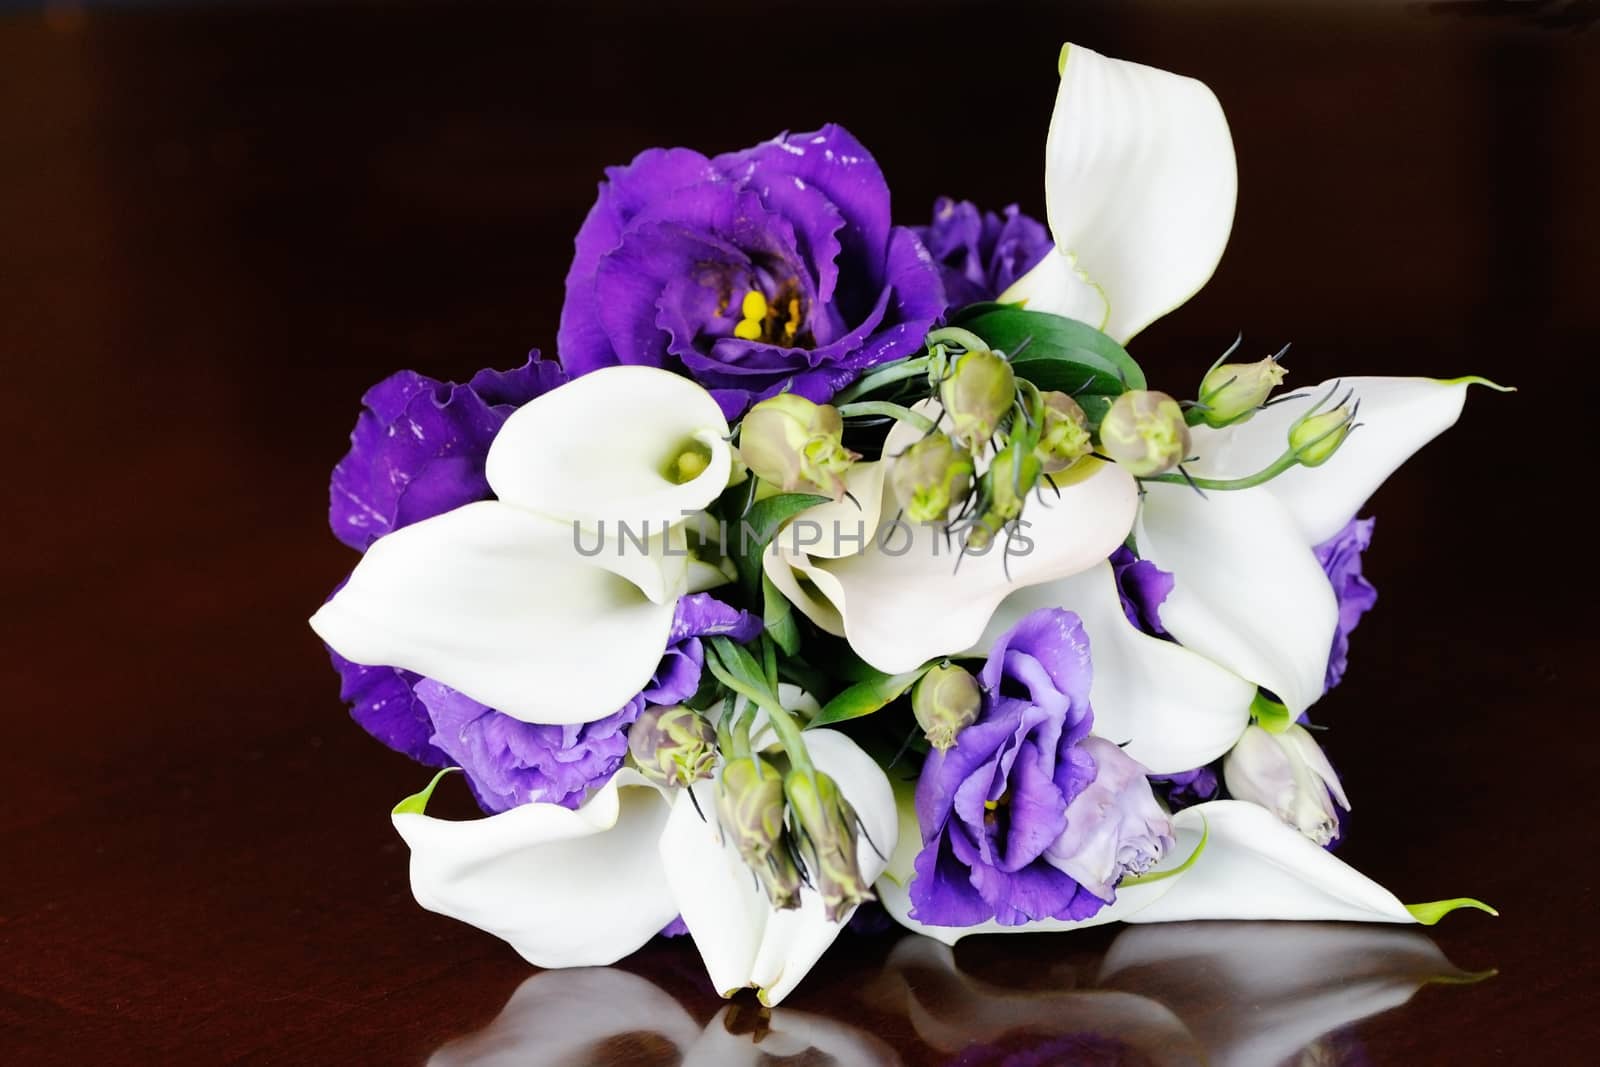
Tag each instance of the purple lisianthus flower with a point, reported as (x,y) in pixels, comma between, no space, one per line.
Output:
(383,702)
(993,804)
(1340,557)
(1187,788)
(419,446)
(981,253)
(1114,827)
(757,271)
(509,762)
(1143,587)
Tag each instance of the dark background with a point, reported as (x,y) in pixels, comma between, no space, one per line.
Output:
(219,225)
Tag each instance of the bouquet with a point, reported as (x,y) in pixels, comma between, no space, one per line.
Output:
(838,561)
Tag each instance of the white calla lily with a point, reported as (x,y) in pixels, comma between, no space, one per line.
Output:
(565,888)
(507,600)
(1170,708)
(744,941)
(1140,186)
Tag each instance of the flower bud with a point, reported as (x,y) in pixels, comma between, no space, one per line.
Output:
(930,476)
(1288,774)
(1315,437)
(978,392)
(796,445)
(946,701)
(672,745)
(1145,433)
(827,840)
(750,809)
(1064,438)
(1006,485)
(1232,392)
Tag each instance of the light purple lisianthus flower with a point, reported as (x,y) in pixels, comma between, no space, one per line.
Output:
(1340,557)
(1143,587)
(419,445)
(981,253)
(1188,787)
(992,805)
(509,762)
(767,269)
(1114,827)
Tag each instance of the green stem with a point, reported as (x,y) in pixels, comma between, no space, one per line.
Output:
(884,407)
(1260,477)
(894,372)
(965,338)
(783,723)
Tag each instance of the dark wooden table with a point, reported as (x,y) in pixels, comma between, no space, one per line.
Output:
(218,225)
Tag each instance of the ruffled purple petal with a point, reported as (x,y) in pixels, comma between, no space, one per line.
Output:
(1143,587)
(1340,557)
(979,254)
(383,704)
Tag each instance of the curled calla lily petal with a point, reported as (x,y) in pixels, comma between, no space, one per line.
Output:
(568,1016)
(605,448)
(742,939)
(497,603)
(894,887)
(1168,707)
(1255,866)
(564,888)
(904,600)
(1140,185)
(1398,416)
(1248,594)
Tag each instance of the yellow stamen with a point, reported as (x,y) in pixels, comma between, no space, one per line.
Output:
(754,306)
(748,329)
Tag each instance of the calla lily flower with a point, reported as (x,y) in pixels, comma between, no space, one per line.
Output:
(553,602)
(587,887)
(1140,185)
(893,587)
(1233,860)
(1248,592)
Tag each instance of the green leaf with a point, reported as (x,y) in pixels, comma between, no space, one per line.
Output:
(1156,876)
(417,803)
(777,616)
(750,535)
(1054,352)
(868,696)
(1434,910)
(1270,715)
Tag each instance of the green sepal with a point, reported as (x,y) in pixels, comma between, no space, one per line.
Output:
(751,534)
(1054,352)
(866,697)
(1478,379)
(1156,876)
(1270,715)
(1432,911)
(417,803)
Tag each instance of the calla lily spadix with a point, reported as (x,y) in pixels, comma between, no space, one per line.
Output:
(535,603)
(1140,185)
(583,888)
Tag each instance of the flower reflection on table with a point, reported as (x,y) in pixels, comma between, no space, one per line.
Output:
(1225,994)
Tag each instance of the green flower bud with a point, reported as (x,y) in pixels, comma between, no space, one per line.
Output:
(796,445)
(979,390)
(931,476)
(946,701)
(1144,432)
(1006,485)
(1064,438)
(672,745)
(1232,392)
(827,840)
(750,809)
(1315,437)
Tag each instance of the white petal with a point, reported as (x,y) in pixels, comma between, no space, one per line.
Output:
(567,1017)
(1169,707)
(495,602)
(741,938)
(784,1037)
(1247,594)
(894,888)
(1255,866)
(838,527)
(1140,184)
(904,601)
(794,940)
(564,888)
(1056,284)
(1258,994)
(1398,416)
(598,449)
